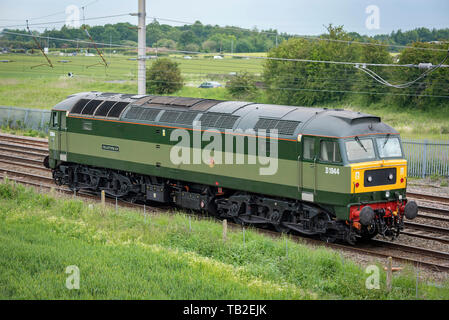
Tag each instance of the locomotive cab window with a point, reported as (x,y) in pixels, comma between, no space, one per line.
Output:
(389,147)
(309,148)
(330,151)
(54,119)
(360,149)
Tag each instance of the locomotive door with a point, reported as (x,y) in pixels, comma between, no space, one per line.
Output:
(309,168)
(63,137)
(54,138)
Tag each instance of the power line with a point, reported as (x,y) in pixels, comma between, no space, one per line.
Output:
(61,12)
(378,78)
(249,57)
(308,37)
(64,21)
(241,29)
(279,88)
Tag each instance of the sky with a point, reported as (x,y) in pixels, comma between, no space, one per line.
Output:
(304,17)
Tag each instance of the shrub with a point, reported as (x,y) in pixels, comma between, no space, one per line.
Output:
(164,77)
(242,86)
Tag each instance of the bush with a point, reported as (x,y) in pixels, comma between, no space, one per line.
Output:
(164,77)
(242,85)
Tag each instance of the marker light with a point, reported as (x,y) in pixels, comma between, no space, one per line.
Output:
(357,185)
(402,180)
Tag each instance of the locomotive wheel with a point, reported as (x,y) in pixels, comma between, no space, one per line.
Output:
(328,237)
(239,221)
(281,228)
(368,233)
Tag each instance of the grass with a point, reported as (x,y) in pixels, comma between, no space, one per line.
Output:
(123,255)
(23,132)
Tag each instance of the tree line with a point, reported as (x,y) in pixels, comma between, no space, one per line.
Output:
(198,37)
(300,83)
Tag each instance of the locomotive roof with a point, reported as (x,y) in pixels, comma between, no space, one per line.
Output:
(180,111)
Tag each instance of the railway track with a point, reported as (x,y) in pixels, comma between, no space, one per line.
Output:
(16,155)
(29,141)
(428,197)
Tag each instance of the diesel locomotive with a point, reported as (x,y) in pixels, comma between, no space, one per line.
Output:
(337,174)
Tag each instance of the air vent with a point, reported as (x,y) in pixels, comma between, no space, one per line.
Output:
(226,121)
(117,109)
(217,120)
(149,114)
(91,106)
(186,118)
(78,107)
(284,127)
(287,127)
(134,113)
(209,119)
(266,124)
(170,116)
(104,108)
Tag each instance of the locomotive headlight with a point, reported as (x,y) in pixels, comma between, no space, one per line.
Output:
(370,178)
(387,194)
(390,176)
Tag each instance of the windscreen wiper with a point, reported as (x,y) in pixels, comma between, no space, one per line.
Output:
(386,140)
(360,143)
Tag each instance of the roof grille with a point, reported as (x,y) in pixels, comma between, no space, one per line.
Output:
(117,109)
(284,127)
(226,121)
(104,108)
(266,124)
(170,116)
(134,113)
(186,118)
(149,114)
(287,127)
(209,119)
(217,120)
(78,107)
(90,107)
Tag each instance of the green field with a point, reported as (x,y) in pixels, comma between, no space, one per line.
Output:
(124,255)
(43,87)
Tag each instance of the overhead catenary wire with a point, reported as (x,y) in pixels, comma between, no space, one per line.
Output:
(355,64)
(315,38)
(378,78)
(64,21)
(243,56)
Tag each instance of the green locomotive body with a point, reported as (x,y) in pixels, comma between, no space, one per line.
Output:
(335,173)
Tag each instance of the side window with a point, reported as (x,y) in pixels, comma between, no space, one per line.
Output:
(309,148)
(329,151)
(63,121)
(54,119)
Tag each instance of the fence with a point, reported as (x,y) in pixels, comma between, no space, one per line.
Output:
(21,118)
(425,158)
